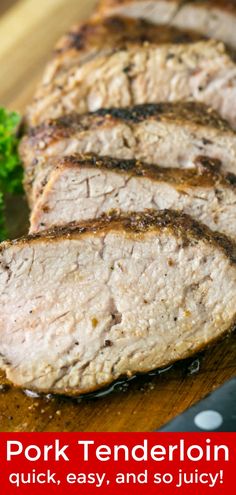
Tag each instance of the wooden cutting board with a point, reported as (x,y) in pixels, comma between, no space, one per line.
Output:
(28,31)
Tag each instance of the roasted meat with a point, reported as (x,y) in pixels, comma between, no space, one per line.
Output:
(182,135)
(139,63)
(82,188)
(212,18)
(83,306)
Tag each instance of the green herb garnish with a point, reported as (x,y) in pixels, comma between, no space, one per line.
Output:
(11,172)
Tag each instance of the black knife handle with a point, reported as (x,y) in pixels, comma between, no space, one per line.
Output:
(217,412)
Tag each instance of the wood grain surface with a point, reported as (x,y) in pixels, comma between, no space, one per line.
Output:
(28,30)
(5,5)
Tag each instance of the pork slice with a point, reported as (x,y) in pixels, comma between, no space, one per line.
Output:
(171,134)
(212,18)
(86,187)
(95,37)
(134,70)
(83,306)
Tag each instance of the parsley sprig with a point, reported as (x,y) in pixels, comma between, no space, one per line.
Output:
(11,172)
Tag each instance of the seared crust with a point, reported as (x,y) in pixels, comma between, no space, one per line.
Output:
(175,8)
(182,226)
(207,175)
(190,113)
(110,32)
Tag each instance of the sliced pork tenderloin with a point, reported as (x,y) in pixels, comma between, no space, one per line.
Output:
(95,37)
(83,306)
(212,18)
(82,188)
(140,63)
(170,134)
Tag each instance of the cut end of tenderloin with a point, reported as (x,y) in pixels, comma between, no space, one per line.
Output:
(158,287)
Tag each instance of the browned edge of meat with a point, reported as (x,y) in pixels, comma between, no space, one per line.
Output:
(104,33)
(212,18)
(190,113)
(137,223)
(53,137)
(205,174)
